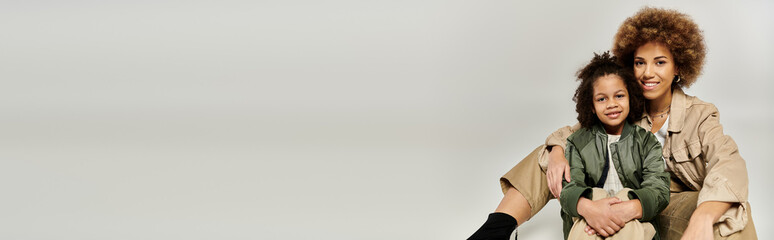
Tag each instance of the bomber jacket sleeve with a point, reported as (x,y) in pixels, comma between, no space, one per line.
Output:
(726,172)
(576,188)
(557,138)
(654,189)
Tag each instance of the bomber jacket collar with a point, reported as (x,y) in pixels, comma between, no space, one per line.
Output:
(676,111)
(599,129)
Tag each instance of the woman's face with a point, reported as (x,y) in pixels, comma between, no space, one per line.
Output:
(654,67)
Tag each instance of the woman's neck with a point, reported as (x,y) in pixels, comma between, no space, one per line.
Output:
(660,104)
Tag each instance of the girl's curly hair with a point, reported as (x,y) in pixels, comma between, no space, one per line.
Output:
(675,29)
(600,66)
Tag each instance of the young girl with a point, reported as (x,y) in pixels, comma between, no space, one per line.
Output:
(612,161)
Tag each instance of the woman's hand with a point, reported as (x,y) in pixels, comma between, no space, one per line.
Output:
(599,215)
(702,219)
(698,230)
(557,168)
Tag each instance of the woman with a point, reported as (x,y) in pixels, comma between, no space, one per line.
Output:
(709,178)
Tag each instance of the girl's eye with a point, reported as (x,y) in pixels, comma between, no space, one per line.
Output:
(660,62)
(638,63)
(600,99)
(619,96)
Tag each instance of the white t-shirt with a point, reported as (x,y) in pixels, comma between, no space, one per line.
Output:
(612,183)
(661,135)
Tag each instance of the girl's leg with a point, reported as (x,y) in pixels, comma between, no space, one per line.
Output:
(633,229)
(577,232)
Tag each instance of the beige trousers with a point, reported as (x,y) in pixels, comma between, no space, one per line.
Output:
(530,180)
(634,229)
(675,217)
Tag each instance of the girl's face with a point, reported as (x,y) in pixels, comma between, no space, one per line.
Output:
(611,102)
(654,67)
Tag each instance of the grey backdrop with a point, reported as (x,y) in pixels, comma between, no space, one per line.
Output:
(318,119)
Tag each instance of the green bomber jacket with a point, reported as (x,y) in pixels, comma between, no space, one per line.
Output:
(637,159)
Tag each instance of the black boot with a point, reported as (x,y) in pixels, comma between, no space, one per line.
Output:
(498,226)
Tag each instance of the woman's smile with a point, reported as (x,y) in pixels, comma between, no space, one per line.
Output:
(649,85)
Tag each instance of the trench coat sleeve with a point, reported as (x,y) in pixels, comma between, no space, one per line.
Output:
(576,188)
(654,189)
(726,172)
(557,138)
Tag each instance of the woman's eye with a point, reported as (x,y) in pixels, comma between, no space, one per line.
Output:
(638,63)
(660,62)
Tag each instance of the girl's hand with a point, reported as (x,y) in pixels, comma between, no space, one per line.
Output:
(557,168)
(590,231)
(624,211)
(599,215)
(627,210)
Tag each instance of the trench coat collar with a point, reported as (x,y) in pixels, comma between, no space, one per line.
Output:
(676,111)
(679,105)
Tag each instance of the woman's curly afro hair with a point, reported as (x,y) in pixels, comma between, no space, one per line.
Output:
(602,65)
(670,27)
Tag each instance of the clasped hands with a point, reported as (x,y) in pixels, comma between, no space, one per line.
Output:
(606,216)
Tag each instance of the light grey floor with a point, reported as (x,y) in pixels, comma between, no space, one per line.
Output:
(317,119)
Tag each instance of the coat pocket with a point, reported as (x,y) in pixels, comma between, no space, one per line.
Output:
(687,153)
(689,163)
(681,155)
(694,150)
